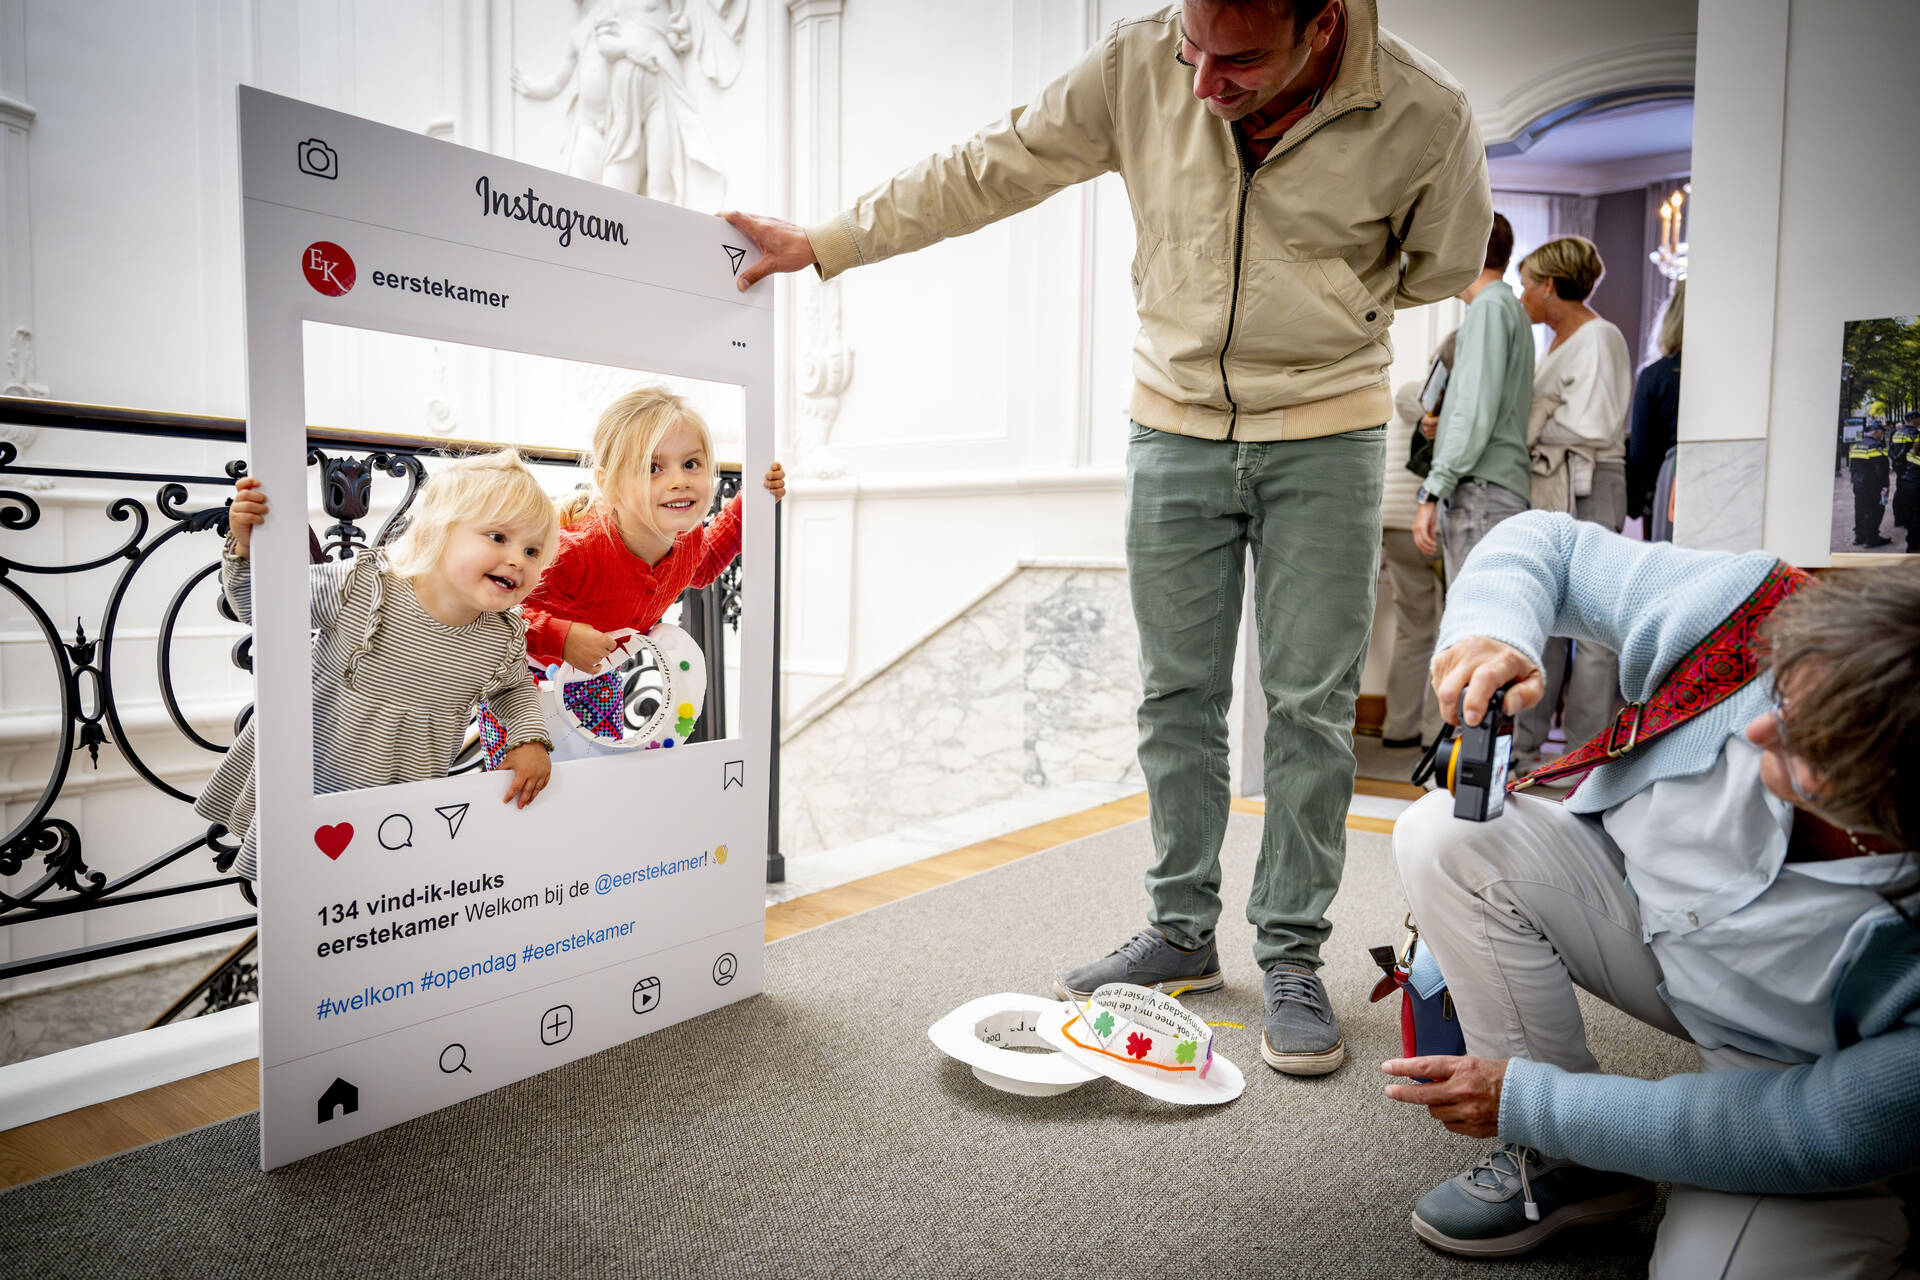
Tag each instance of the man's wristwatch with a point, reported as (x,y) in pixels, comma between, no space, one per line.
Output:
(1422,496)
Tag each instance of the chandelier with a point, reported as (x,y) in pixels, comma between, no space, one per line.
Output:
(1671,256)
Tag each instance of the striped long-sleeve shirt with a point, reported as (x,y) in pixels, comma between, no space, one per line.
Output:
(393,690)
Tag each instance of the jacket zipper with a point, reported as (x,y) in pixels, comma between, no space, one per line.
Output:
(1233,299)
(1239,242)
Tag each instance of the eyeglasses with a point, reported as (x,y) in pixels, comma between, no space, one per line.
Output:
(1786,749)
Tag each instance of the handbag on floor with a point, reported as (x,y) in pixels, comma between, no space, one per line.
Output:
(1428,1024)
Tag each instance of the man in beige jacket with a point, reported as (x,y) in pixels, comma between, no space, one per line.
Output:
(1295,175)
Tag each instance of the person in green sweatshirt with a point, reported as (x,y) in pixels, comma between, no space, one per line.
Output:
(1480,473)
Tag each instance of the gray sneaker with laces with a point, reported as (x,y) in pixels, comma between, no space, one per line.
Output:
(1302,1036)
(1515,1198)
(1147,959)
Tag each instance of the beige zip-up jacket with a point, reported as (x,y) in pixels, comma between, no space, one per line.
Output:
(1264,293)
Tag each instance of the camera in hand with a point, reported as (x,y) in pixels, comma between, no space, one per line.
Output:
(1476,759)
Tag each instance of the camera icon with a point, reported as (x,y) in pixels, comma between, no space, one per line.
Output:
(318,159)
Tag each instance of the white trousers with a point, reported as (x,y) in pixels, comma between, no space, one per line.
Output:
(1519,911)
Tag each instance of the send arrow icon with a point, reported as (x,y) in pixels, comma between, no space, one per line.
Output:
(455,814)
(735,256)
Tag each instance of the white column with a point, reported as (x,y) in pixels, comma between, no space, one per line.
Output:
(1733,267)
(821,520)
(823,363)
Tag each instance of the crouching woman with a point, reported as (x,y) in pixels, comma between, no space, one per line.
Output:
(1744,879)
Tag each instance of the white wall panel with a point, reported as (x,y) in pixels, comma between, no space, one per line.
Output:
(1849,186)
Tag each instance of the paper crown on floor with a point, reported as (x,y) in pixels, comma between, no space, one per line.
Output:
(1146,1041)
(987,1035)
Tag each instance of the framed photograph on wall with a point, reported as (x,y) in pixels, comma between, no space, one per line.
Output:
(1876,454)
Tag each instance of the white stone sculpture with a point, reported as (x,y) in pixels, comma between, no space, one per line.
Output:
(631,122)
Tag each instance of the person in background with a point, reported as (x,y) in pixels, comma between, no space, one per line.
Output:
(1902,444)
(1654,424)
(1867,458)
(1479,475)
(1577,429)
(1413,578)
(1906,491)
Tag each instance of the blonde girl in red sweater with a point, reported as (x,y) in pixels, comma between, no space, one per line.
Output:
(637,538)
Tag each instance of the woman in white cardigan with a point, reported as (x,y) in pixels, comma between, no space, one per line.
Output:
(1577,432)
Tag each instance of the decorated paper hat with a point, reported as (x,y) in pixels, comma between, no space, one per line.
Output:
(1146,1041)
(987,1035)
(592,705)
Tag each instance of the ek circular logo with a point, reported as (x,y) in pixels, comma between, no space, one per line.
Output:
(328,267)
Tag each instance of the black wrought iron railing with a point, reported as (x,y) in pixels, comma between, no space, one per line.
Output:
(181,511)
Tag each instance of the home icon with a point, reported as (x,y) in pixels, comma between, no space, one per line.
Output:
(340,1097)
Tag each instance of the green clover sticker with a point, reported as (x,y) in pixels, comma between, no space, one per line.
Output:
(1104,1025)
(1184,1051)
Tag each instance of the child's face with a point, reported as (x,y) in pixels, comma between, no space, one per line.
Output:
(680,487)
(492,566)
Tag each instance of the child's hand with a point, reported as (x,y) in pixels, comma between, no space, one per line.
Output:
(249,508)
(776,482)
(531,765)
(585,649)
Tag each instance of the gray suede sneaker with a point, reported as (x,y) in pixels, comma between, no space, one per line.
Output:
(1303,1036)
(1147,959)
(1515,1198)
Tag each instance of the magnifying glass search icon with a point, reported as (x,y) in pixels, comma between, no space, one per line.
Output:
(457,1055)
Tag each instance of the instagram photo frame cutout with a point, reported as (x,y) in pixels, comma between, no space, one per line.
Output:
(408,926)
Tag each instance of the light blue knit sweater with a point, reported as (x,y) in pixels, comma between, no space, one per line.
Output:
(1851,1118)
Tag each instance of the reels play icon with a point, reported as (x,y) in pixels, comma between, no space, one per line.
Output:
(328,267)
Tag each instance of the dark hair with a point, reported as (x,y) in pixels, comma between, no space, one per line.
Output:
(1303,11)
(1500,243)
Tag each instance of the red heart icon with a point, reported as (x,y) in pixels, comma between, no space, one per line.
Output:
(333,841)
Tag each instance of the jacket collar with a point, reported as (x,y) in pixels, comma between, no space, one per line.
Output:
(1358,81)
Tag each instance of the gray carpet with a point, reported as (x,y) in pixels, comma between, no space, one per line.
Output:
(816,1131)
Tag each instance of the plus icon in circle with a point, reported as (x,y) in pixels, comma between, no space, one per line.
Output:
(556,1024)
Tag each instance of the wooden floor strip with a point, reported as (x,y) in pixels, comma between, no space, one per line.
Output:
(92,1133)
(1390,790)
(121,1124)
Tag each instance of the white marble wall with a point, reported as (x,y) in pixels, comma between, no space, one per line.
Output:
(1033,687)
(1720,487)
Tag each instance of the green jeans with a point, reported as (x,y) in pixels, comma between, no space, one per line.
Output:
(1308,511)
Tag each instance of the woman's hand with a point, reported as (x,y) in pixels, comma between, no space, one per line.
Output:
(532,765)
(248,508)
(1477,666)
(1464,1094)
(776,481)
(586,649)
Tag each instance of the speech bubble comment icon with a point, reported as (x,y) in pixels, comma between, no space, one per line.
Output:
(396,832)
